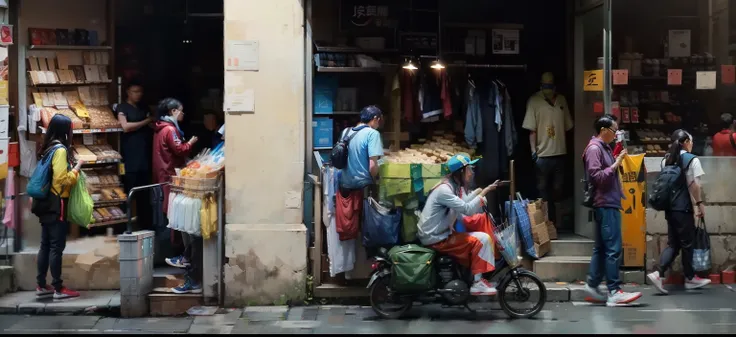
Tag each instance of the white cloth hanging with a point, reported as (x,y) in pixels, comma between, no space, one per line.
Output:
(341,254)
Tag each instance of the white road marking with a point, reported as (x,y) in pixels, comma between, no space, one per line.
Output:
(688,310)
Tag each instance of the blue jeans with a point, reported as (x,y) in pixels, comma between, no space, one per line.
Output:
(606,258)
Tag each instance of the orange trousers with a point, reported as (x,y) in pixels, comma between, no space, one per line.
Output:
(474,249)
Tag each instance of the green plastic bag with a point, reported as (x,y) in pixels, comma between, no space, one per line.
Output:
(80,203)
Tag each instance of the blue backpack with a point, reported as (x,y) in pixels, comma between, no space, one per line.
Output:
(40,182)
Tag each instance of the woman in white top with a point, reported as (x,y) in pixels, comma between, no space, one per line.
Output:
(680,220)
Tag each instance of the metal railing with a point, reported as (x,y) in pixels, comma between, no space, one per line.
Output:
(129,211)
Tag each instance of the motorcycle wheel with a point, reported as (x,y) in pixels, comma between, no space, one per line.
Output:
(380,296)
(522,292)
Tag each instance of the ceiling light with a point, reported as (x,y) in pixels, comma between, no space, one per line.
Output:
(409,65)
(437,65)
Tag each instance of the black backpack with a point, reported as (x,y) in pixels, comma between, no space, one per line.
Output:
(665,185)
(339,154)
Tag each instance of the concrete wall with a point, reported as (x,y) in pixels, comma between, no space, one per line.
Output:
(719,188)
(266,237)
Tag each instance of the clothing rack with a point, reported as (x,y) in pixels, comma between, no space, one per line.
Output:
(492,66)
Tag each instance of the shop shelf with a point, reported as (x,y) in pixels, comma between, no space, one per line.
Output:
(106,161)
(53,85)
(353,50)
(337,113)
(55,47)
(349,69)
(84,131)
(112,202)
(108,223)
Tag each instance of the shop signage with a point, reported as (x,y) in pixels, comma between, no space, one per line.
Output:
(593,80)
(674,77)
(367,14)
(728,74)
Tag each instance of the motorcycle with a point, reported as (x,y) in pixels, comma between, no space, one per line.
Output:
(452,285)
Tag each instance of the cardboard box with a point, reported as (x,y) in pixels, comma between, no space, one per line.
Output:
(542,249)
(551,230)
(322,132)
(540,234)
(325,92)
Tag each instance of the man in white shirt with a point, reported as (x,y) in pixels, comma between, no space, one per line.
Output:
(547,119)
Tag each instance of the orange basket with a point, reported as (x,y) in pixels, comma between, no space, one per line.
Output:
(209,183)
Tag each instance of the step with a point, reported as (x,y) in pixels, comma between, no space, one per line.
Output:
(6,280)
(167,277)
(571,245)
(574,269)
(562,268)
(169,304)
(89,302)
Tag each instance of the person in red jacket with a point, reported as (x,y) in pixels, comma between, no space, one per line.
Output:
(169,153)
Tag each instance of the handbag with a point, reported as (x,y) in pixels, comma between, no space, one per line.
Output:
(701,248)
(523,224)
(381,226)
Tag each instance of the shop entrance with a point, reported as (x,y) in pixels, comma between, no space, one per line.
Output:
(363,53)
(90,52)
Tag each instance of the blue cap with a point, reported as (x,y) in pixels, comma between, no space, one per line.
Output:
(459,161)
(369,113)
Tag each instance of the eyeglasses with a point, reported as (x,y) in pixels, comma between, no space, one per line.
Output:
(612,130)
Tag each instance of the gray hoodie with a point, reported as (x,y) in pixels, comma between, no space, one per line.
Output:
(441,211)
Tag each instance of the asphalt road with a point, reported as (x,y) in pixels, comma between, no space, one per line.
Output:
(708,311)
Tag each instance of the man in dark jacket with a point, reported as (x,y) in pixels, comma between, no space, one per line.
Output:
(601,171)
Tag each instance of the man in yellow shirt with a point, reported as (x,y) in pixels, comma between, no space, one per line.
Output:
(547,119)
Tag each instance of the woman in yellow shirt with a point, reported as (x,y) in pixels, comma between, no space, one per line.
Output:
(51,211)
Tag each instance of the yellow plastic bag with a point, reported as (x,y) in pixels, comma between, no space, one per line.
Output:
(208,217)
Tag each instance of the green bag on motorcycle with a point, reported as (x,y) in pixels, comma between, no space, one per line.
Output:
(412,268)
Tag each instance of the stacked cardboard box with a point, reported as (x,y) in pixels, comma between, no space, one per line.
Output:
(540,233)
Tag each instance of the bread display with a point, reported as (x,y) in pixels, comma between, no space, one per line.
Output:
(436,151)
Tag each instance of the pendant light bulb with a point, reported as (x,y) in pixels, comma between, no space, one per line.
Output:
(438,65)
(409,65)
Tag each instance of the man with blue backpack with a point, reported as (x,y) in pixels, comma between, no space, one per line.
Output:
(675,191)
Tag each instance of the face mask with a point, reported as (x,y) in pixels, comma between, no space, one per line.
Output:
(548,90)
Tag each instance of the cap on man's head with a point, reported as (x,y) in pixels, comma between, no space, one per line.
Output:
(548,78)
(459,161)
(369,113)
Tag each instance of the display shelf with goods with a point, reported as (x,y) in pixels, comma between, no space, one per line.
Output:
(68,74)
(653,104)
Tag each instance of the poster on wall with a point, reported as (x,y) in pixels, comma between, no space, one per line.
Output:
(242,56)
(368,15)
(505,41)
(679,43)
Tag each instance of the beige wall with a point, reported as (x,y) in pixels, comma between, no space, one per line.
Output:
(265,235)
(265,166)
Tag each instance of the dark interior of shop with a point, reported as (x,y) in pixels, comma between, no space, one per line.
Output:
(174,49)
(545,39)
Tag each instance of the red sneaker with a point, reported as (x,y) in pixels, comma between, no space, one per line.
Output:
(46,291)
(65,293)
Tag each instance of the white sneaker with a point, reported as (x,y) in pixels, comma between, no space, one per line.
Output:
(621,298)
(595,295)
(696,282)
(657,282)
(482,288)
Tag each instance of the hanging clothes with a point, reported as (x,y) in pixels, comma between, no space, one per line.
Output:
(509,126)
(409,96)
(473,123)
(8,219)
(446,94)
(430,95)
(341,254)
